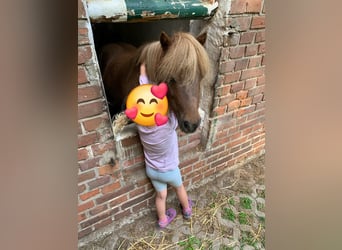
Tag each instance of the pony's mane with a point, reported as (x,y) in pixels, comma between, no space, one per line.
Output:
(185,58)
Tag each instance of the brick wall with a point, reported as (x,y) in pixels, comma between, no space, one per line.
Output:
(112,183)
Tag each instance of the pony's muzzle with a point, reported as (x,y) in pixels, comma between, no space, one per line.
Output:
(189,127)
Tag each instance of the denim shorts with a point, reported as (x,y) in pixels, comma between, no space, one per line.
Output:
(161,179)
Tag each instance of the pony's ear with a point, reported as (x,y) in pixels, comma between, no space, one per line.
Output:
(165,40)
(202,38)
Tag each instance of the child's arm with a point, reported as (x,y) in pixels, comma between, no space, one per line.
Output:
(143,77)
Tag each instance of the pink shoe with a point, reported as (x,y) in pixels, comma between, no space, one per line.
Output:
(187,212)
(170,215)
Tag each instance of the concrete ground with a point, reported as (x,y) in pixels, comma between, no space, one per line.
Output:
(228,214)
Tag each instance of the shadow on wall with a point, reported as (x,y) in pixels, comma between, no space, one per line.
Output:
(135,33)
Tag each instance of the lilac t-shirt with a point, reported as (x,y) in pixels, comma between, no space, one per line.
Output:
(160,145)
(160,142)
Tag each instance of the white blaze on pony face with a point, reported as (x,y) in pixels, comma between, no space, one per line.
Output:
(147,105)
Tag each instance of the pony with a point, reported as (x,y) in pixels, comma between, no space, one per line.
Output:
(180,60)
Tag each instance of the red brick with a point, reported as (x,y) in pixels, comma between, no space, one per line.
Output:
(136,192)
(232,77)
(81,217)
(90,109)
(111,187)
(242,151)
(88,164)
(242,94)
(82,154)
(234,105)
(194,136)
(84,54)
(118,200)
(234,134)
(241,64)
(88,93)
(236,87)
(96,122)
(140,206)
(246,102)
(225,100)
(258,22)
(220,134)
(83,37)
(85,206)
(82,75)
(252,50)
(243,22)
(237,142)
(107,169)
(250,83)
(103,223)
(226,67)
(84,232)
(262,48)
(99,182)
(236,52)
(245,6)
(234,149)
(263,61)
(188,162)
(260,106)
(130,141)
(247,37)
(88,139)
(254,62)
(137,200)
(122,214)
(90,194)
(261,80)
(81,188)
(95,219)
(248,124)
(251,73)
(238,6)
(260,36)
(98,209)
(257,90)
(86,176)
(222,91)
(257,98)
(116,194)
(244,110)
(81,11)
(189,146)
(219,110)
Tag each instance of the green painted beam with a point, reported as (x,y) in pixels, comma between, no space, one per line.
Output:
(148,10)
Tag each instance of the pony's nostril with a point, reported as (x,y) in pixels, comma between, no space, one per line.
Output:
(189,127)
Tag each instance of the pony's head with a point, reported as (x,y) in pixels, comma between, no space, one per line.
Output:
(182,62)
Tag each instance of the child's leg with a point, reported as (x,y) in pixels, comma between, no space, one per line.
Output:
(164,216)
(182,196)
(161,205)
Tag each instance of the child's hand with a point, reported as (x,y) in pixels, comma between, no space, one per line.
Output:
(142,69)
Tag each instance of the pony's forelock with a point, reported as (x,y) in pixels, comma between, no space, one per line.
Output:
(185,58)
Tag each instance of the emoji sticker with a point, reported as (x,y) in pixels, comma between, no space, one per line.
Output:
(147,105)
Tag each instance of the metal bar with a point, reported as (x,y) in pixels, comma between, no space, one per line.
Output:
(148,10)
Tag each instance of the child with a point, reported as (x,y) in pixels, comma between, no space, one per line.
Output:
(160,145)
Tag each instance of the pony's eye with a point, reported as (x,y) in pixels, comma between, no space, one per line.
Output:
(153,100)
(172,81)
(141,100)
